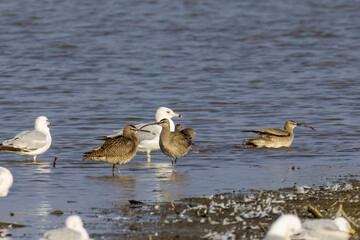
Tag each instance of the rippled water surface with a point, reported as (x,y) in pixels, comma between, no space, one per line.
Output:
(226,66)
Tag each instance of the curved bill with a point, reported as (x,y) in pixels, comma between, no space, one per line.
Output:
(141,130)
(155,123)
(304,125)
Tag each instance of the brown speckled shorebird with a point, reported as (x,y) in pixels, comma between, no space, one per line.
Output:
(173,144)
(117,150)
(188,132)
(178,128)
(274,137)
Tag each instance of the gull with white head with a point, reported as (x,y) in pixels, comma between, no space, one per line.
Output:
(284,228)
(6,181)
(149,141)
(74,230)
(31,142)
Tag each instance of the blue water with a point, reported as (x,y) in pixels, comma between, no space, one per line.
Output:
(226,66)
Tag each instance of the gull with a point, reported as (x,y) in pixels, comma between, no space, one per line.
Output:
(284,228)
(274,137)
(149,141)
(326,229)
(173,144)
(32,142)
(74,230)
(117,150)
(6,181)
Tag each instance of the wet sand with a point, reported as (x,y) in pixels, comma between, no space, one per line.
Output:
(234,215)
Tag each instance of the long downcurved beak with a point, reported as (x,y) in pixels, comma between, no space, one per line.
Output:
(304,125)
(150,124)
(143,130)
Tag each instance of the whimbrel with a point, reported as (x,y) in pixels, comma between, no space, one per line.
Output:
(32,142)
(149,141)
(73,229)
(173,144)
(6,181)
(188,132)
(117,150)
(274,137)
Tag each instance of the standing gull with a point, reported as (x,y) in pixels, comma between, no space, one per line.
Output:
(274,137)
(173,144)
(149,141)
(6,181)
(74,230)
(32,142)
(117,150)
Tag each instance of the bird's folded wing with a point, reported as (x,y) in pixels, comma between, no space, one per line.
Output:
(155,131)
(27,140)
(62,233)
(270,131)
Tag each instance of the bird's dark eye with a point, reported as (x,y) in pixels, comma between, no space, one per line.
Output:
(168,111)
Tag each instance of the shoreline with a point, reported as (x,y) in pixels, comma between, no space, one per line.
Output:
(234,215)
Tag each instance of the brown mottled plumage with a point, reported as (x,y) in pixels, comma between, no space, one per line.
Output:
(188,132)
(274,137)
(178,128)
(117,150)
(173,144)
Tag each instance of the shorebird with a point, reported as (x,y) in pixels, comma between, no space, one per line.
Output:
(284,228)
(74,230)
(6,181)
(32,142)
(188,132)
(178,128)
(274,137)
(117,150)
(149,141)
(173,144)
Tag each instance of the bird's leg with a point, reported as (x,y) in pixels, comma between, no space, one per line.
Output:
(113,170)
(148,156)
(173,163)
(34,159)
(117,168)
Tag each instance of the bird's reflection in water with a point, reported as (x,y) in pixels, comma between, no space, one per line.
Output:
(173,176)
(173,185)
(127,181)
(41,167)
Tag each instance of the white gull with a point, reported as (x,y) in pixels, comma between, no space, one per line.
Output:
(32,142)
(74,230)
(6,181)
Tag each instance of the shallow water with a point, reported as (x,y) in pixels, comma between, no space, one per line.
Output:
(92,67)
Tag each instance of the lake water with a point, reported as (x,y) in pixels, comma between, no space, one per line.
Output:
(95,66)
